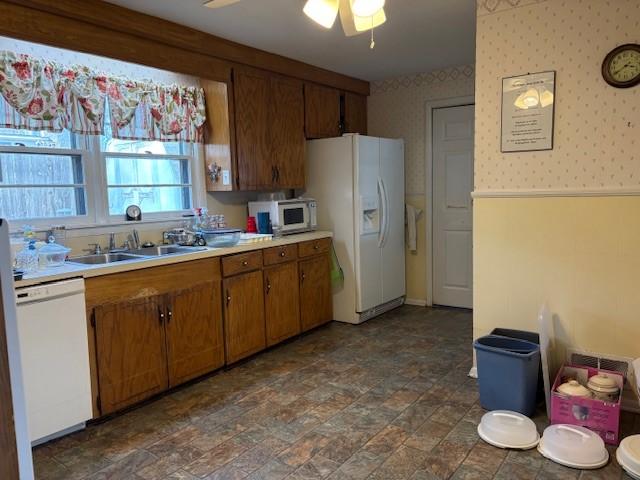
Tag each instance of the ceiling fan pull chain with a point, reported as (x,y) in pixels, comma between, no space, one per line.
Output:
(373,43)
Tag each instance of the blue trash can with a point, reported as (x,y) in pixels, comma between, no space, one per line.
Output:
(507,373)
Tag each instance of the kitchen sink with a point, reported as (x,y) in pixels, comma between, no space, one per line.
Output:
(104,258)
(164,250)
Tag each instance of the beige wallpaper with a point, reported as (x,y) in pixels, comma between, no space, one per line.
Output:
(397,109)
(597,127)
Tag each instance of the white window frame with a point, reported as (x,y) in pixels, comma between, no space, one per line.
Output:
(95,185)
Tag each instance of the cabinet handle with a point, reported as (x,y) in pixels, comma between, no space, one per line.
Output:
(277,174)
(160,316)
(302,277)
(273,174)
(282,253)
(228,298)
(245,263)
(169,316)
(268,286)
(316,246)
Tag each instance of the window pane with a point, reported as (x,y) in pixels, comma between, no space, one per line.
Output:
(147,171)
(149,199)
(39,169)
(41,139)
(41,202)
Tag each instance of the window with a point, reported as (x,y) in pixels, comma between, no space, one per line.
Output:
(47,176)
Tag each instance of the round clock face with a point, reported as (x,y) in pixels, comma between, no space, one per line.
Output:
(133,212)
(621,67)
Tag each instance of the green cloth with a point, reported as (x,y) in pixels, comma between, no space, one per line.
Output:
(337,275)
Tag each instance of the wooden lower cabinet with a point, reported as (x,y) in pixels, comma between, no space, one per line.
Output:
(195,343)
(130,348)
(282,302)
(315,291)
(243,315)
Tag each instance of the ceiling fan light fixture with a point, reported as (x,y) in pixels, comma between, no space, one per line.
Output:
(366,8)
(323,12)
(363,24)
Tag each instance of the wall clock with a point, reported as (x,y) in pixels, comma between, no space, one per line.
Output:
(621,66)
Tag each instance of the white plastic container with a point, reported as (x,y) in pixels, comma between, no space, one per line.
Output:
(52,254)
(604,387)
(507,429)
(628,456)
(573,446)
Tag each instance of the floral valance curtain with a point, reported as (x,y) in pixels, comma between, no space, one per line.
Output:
(43,95)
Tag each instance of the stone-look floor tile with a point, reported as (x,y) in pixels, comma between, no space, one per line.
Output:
(215,459)
(360,465)
(486,458)
(341,447)
(530,458)
(553,471)
(302,451)
(402,464)
(125,468)
(170,462)
(227,473)
(401,399)
(516,471)
(445,458)
(466,472)
(180,475)
(428,436)
(388,440)
(317,468)
(275,469)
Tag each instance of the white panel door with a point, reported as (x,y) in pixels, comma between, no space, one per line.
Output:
(367,216)
(392,239)
(452,209)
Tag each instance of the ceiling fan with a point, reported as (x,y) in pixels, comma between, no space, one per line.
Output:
(356,16)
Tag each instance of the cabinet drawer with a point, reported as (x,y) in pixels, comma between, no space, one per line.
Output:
(242,262)
(275,255)
(314,247)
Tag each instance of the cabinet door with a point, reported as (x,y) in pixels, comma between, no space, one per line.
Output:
(243,315)
(287,132)
(253,145)
(130,348)
(355,113)
(315,292)
(282,302)
(194,332)
(321,111)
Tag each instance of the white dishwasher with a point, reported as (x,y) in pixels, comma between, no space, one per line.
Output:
(52,332)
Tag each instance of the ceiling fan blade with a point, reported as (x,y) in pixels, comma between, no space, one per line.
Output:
(353,25)
(219,3)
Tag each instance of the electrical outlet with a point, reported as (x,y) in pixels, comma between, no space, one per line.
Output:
(226,177)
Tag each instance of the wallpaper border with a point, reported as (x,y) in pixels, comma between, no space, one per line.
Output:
(488,7)
(569,192)
(420,79)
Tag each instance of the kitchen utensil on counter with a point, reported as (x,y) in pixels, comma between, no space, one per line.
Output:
(628,456)
(573,447)
(221,237)
(27,258)
(255,238)
(604,387)
(573,388)
(251,225)
(182,236)
(52,254)
(264,222)
(507,429)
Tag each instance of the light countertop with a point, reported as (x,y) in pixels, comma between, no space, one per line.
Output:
(74,270)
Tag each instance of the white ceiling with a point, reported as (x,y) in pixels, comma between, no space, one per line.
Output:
(419,36)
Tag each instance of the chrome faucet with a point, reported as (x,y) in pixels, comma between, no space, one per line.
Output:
(112,241)
(136,239)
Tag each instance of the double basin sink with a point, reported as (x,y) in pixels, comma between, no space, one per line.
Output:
(137,254)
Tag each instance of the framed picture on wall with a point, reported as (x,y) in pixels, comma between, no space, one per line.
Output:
(528,104)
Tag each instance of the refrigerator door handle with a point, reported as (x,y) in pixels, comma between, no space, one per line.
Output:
(383,213)
(385,197)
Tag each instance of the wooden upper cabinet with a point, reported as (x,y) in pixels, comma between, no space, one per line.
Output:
(321,111)
(355,113)
(282,302)
(252,91)
(130,348)
(316,306)
(219,136)
(287,132)
(243,315)
(195,344)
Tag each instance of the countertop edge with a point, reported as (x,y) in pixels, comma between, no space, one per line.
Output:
(77,271)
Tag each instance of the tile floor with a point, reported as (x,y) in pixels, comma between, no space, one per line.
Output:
(386,400)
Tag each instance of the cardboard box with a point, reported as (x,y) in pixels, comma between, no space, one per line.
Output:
(596,415)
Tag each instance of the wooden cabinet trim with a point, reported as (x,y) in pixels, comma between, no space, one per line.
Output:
(241,263)
(314,247)
(284,253)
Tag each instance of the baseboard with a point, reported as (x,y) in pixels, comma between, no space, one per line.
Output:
(415,301)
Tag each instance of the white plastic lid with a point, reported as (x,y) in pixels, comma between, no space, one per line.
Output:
(53,248)
(603,383)
(574,389)
(573,446)
(506,429)
(628,455)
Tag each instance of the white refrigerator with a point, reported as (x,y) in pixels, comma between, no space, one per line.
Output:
(358,184)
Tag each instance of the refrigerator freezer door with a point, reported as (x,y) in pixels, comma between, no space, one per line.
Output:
(368,265)
(393,253)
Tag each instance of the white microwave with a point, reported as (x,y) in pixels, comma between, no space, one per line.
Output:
(291,216)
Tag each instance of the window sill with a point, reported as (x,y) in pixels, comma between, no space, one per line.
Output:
(99,228)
